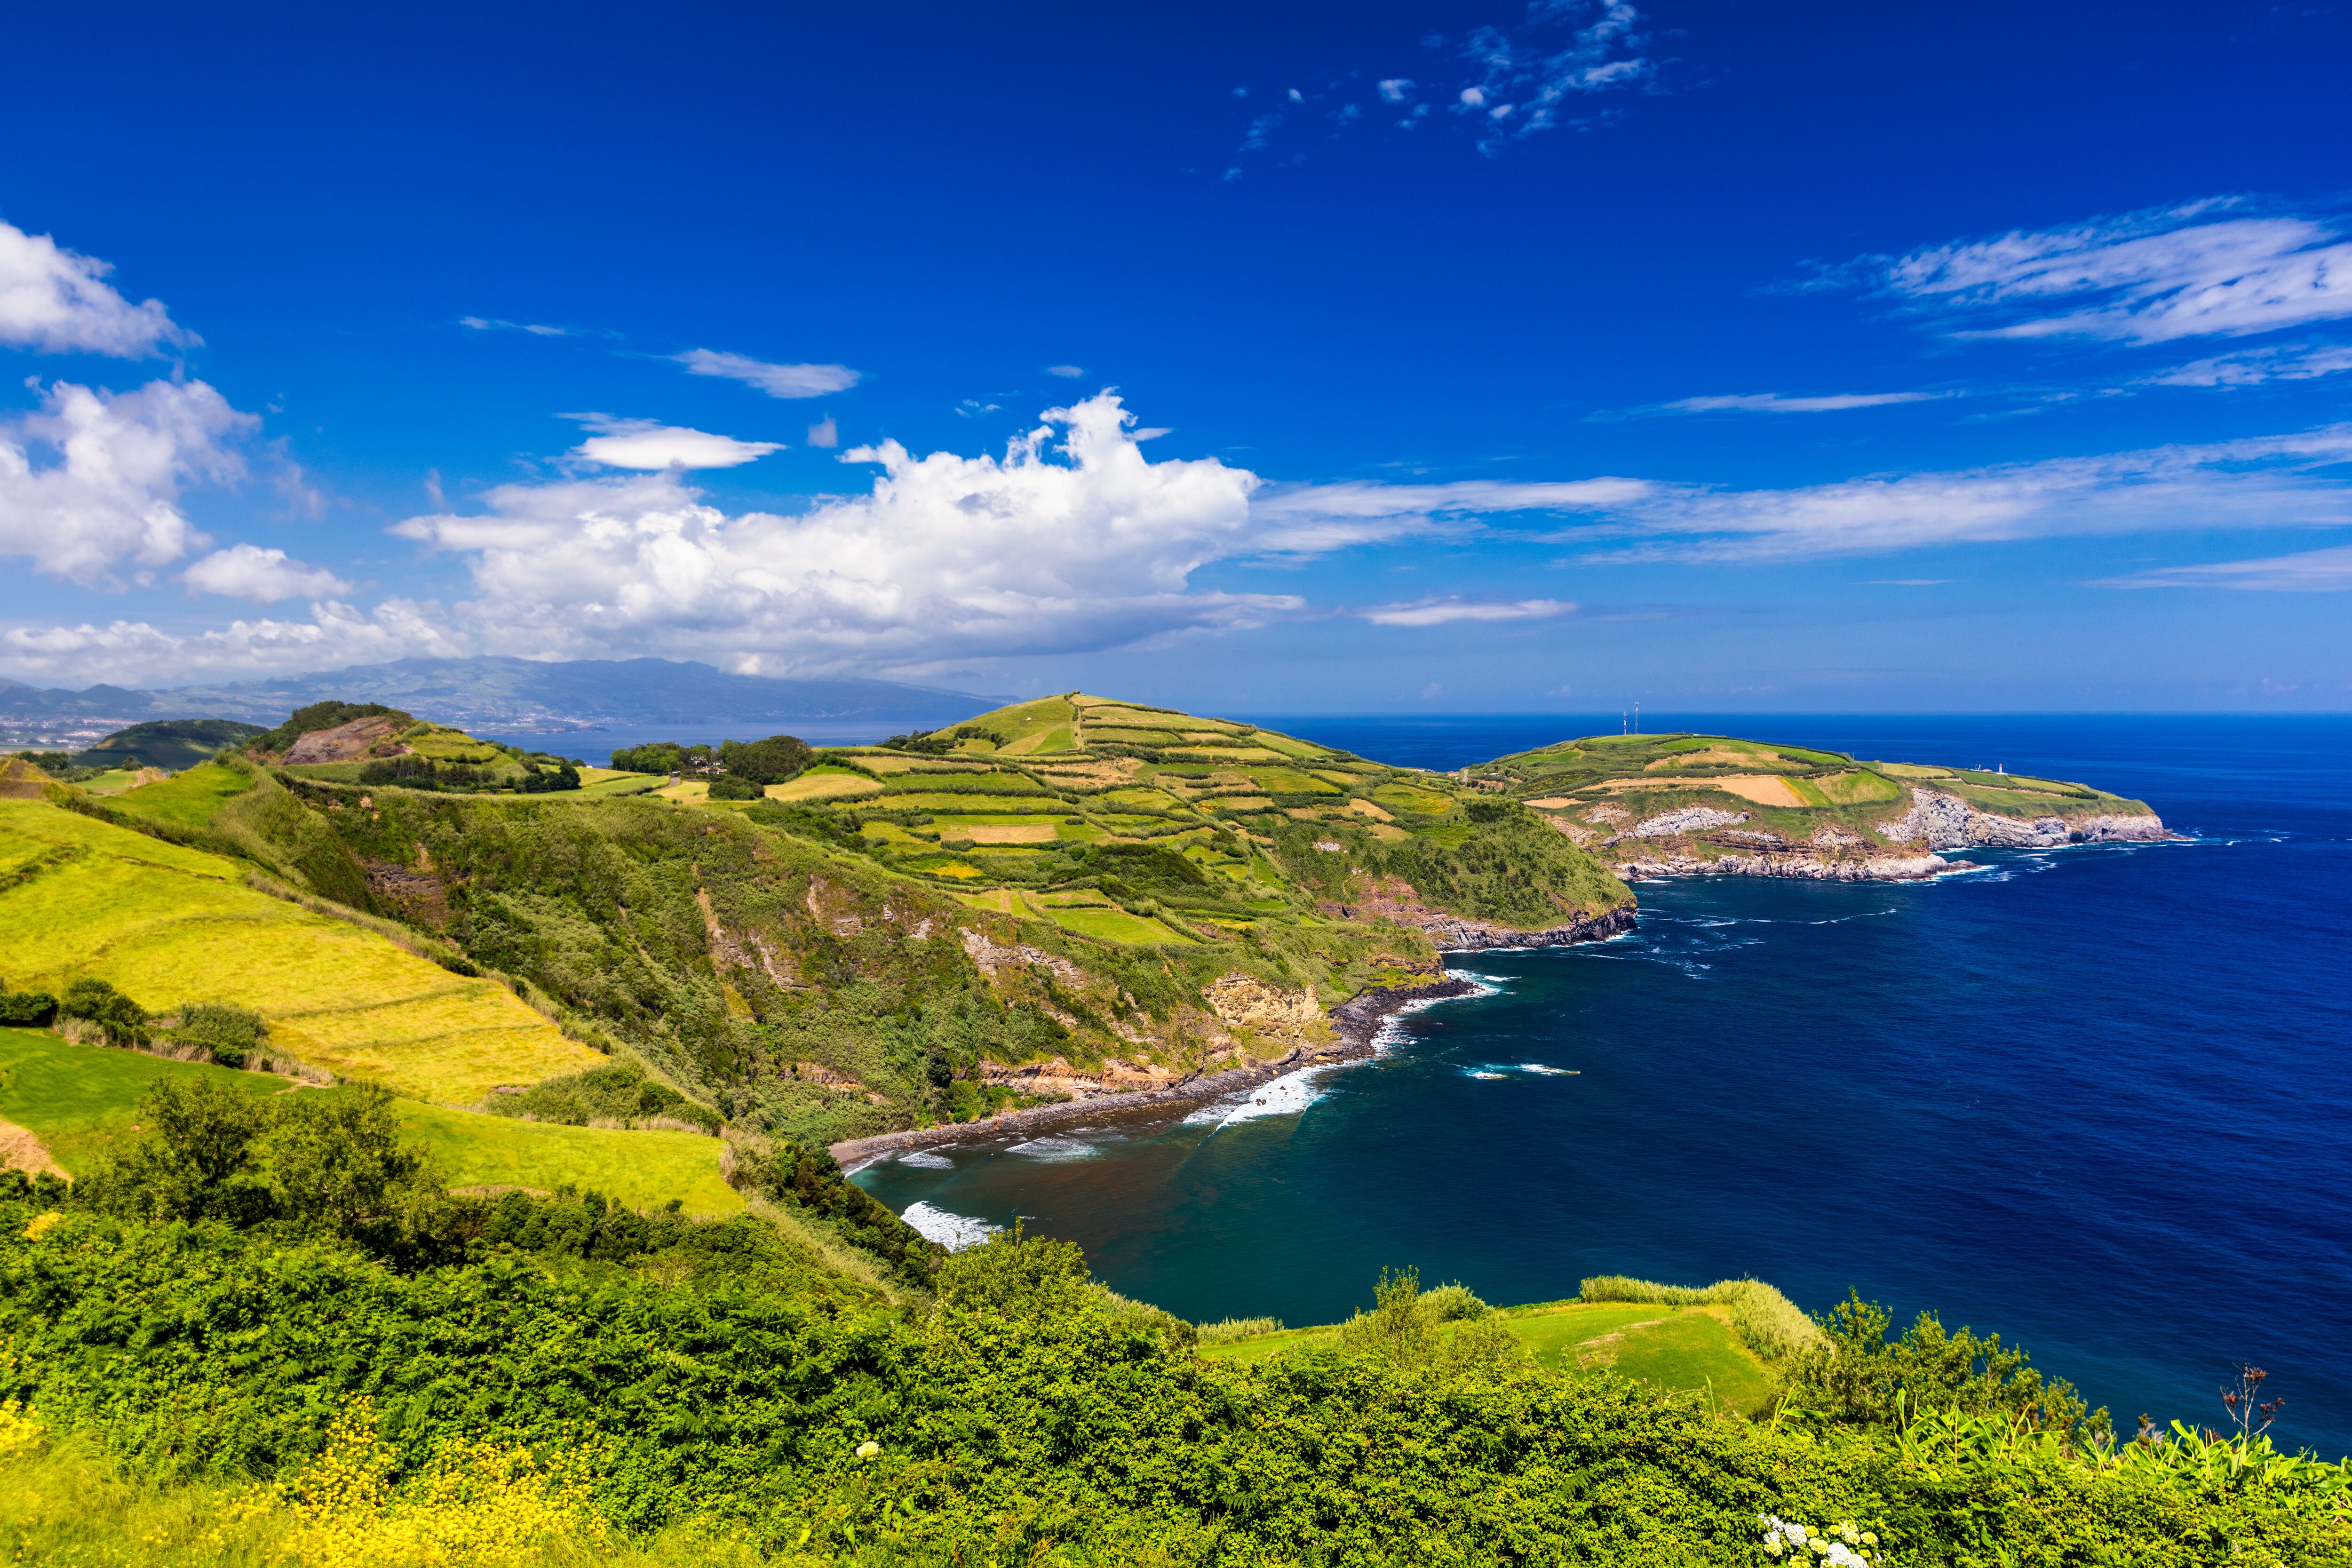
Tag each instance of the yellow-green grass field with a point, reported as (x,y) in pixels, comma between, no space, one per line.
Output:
(82,1102)
(168,925)
(186,799)
(1680,1348)
(601,781)
(825,784)
(1115,925)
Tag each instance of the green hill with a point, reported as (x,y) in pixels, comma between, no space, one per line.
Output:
(168,743)
(1687,802)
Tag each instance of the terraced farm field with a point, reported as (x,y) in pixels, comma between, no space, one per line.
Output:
(1178,821)
(167,924)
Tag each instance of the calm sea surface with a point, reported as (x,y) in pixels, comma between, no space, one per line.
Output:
(2098,1099)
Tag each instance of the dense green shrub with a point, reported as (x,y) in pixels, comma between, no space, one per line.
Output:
(231,1033)
(1030,1419)
(797,1173)
(124,1021)
(27,1009)
(728,786)
(661,757)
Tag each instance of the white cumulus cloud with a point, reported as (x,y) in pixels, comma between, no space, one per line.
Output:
(650,445)
(60,302)
(775,380)
(1082,544)
(2206,268)
(90,480)
(264,576)
(1441,612)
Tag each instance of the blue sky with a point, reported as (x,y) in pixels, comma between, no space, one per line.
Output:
(1392,357)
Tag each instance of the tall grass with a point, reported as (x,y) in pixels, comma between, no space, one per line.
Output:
(1225,1331)
(1770,1324)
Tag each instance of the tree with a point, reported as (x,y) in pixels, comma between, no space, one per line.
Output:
(336,1164)
(197,1160)
(776,760)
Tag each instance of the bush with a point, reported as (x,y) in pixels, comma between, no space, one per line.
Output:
(31,1009)
(661,757)
(727,786)
(123,1020)
(1453,1304)
(232,1033)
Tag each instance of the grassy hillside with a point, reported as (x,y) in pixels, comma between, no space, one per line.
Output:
(1624,786)
(168,925)
(1113,896)
(1689,1350)
(82,1103)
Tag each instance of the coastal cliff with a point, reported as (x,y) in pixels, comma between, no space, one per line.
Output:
(1683,805)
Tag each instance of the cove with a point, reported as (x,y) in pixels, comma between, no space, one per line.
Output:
(2095,1099)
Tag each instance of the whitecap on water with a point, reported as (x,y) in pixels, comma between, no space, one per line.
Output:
(1542,1071)
(953,1231)
(1285,1096)
(923,1158)
(1055,1149)
(1482,1073)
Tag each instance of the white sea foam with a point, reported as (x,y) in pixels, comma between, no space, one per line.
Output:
(953,1231)
(1055,1149)
(1542,1071)
(1495,1075)
(1288,1095)
(923,1158)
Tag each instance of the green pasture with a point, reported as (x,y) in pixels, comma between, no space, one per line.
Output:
(82,1102)
(1115,925)
(188,799)
(1679,1348)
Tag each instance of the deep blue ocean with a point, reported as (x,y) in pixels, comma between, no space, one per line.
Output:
(2099,1100)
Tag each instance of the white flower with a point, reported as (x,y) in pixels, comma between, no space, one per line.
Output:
(868,1448)
(1868,1539)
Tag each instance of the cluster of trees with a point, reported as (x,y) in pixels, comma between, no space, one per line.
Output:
(230,1035)
(745,768)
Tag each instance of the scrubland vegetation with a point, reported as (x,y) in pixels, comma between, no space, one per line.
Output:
(267,1336)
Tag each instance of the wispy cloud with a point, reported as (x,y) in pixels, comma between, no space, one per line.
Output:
(2326,570)
(1068,372)
(1522,78)
(57,301)
(2268,481)
(537,330)
(1786,402)
(1438,611)
(2302,361)
(775,380)
(2216,267)
(648,444)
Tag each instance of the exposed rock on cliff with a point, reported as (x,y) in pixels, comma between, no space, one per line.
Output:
(1941,821)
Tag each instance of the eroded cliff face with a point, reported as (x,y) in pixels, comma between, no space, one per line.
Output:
(1394,899)
(1941,821)
(1705,843)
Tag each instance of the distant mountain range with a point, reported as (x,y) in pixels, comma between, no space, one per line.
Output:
(516,694)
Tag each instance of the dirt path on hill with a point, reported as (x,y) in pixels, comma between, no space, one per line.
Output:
(21,1151)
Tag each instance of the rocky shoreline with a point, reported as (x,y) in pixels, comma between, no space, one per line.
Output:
(1357,1022)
